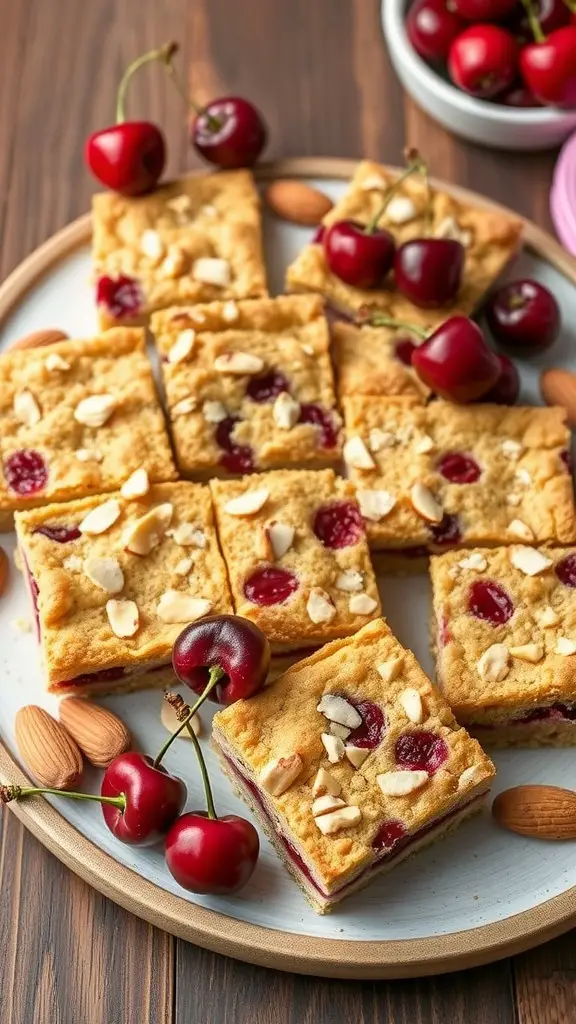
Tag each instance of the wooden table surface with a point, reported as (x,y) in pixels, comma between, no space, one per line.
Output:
(319,71)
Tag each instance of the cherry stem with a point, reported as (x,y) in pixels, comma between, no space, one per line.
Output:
(164,55)
(382,320)
(213,122)
(535,26)
(571,5)
(214,677)
(8,793)
(416,165)
(204,772)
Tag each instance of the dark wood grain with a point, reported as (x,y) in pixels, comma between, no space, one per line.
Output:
(319,71)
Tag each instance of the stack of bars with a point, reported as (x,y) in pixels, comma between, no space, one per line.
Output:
(133,521)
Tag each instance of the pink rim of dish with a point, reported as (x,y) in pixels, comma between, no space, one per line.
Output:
(563,195)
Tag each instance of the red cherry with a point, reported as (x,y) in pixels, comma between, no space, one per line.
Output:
(566,571)
(236,458)
(549,68)
(518,96)
(267,386)
(270,585)
(432,26)
(566,459)
(403,350)
(328,428)
(448,531)
(371,733)
(229,132)
(421,752)
(551,14)
(338,525)
(26,472)
(455,361)
(459,468)
(523,314)
(226,649)
(489,601)
(483,10)
(483,60)
(429,270)
(389,835)
(128,158)
(59,534)
(318,236)
(507,388)
(357,256)
(212,855)
(120,296)
(154,799)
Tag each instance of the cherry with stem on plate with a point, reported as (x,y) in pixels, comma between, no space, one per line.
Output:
(483,60)
(362,254)
(224,657)
(204,853)
(524,315)
(548,65)
(429,271)
(129,157)
(506,390)
(140,800)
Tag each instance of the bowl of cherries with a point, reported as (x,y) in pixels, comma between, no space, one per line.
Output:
(498,72)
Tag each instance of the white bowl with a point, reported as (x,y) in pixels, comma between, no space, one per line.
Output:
(477,120)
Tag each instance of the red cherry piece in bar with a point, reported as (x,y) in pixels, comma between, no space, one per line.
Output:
(120,296)
(267,386)
(421,752)
(357,256)
(322,418)
(448,531)
(432,26)
(483,60)
(566,571)
(233,644)
(154,799)
(211,855)
(236,458)
(59,534)
(549,68)
(270,585)
(524,314)
(371,733)
(459,468)
(507,388)
(338,525)
(488,601)
(455,361)
(229,132)
(429,271)
(388,835)
(566,458)
(26,472)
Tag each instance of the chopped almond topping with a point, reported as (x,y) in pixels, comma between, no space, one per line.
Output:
(137,485)
(338,709)
(512,449)
(124,617)
(379,439)
(375,505)
(151,244)
(101,518)
(319,606)
(285,411)
(356,755)
(345,817)
(400,210)
(325,783)
(565,646)
(54,362)
(425,504)
(105,573)
(89,455)
(238,364)
(401,783)
(278,775)
(424,445)
(469,776)
(494,665)
(528,652)
(230,311)
(520,530)
(390,670)
(211,270)
(214,411)
(143,535)
(175,606)
(247,504)
(475,561)
(26,408)
(546,617)
(411,701)
(529,560)
(356,454)
(325,804)
(350,581)
(183,407)
(183,346)
(362,604)
(95,410)
(280,537)
(182,568)
(333,746)
(339,730)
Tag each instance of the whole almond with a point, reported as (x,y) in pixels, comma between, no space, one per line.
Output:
(295,201)
(37,339)
(47,749)
(545,812)
(558,387)
(3,570)
(99,733)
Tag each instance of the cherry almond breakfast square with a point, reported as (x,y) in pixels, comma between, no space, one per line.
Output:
(488,240)
(505,634)
(191,240)
(249,385)
(443,475)
(113,581)
(351,761)
(78,418)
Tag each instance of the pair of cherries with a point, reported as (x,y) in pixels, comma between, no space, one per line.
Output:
(129,157)
(517,52)
(428,271)
(224,658)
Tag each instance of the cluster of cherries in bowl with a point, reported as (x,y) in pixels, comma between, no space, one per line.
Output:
(129,156)
(223,658)
(520,53)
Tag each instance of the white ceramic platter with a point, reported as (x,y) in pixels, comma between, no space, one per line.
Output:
(452,905)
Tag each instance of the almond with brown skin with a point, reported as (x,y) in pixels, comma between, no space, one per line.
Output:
(297,202)
(37,339)
(544,812)
(48,751)
(99,733)
(3,571)
(558,387)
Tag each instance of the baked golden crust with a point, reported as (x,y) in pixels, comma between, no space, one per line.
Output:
(134,436)
(462,638)
(366,362)
(283,720)
(202,215)
(491,240)
(289,336)
(294,498)
(519,451)
(76,635)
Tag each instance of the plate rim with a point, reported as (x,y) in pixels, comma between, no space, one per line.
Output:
(288,951)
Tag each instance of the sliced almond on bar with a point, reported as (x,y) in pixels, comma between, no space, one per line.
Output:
(175,606)
(400,210)
(528,652)
(475,561)
(325,783)
(401,783)
(375,505)
(123,616)
(339,730)
(520,530)
(362,604)
(247,504)
(345,817)
(214,411)
(26,408)
(319,606)
(188,536)
(137,484)
(54,363)
(356,755)
(411,702)
(338,709)
(238,364)
(469,776)
(356,454)
(280,537)
(326,804)
(391,669)
(333,746)
(424,503)
(143,535)
(101,518)
(350,581)
(530,561)
(95,410)
(105,573)
(278,775)
(494,665)
(565,646)
(212,270)
(285,411)
(184,407)
(546,617)
(183,346)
